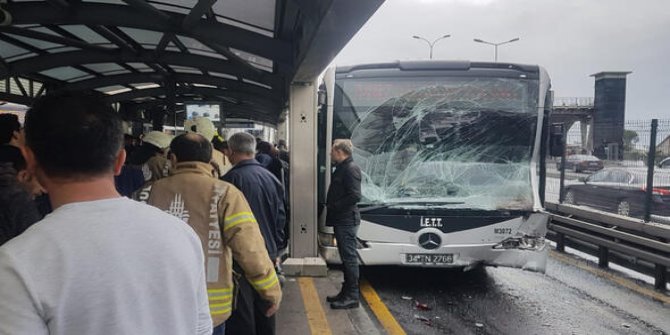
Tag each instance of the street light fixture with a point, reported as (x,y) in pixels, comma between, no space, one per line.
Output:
(431,44)
(495,45)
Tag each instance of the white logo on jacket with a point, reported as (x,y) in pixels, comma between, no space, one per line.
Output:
(177,208)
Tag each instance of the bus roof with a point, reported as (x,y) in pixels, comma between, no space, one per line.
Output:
(531,71)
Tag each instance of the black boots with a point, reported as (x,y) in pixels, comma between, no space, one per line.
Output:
(347,298)
(333,298)
(345,303)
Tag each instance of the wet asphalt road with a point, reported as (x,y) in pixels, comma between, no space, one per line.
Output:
(565,300)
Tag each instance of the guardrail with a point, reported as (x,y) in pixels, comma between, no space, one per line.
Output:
(611,233)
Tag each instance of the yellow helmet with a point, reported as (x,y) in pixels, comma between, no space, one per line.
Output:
(158,138)
(202,126)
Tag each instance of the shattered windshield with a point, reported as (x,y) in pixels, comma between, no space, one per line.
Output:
(452,142)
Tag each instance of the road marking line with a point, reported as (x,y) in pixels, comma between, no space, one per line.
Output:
(379,308)
(627,283)
(318,324)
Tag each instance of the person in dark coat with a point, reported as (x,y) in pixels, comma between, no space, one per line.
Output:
(265,195)
(342,214)
(283,151)
(17,208)
(268,156)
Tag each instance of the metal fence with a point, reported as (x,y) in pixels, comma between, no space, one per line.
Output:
(623,176)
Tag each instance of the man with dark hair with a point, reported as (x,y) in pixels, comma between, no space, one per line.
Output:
(205,127)
(17,209)
(222,218)
(10,130)
(265,195)
(11,137)
(98,262)
(342,214)
(268,157)
(14,159)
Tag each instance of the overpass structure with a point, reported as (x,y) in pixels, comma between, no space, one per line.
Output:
(258,59)
(601,118)
(570,110)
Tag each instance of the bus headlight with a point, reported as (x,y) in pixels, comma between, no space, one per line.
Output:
(524,243)
(327,240)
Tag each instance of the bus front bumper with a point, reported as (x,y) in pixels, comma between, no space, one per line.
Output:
(465,256)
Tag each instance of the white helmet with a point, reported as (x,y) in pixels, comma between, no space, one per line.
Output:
(202,126)
(158,138)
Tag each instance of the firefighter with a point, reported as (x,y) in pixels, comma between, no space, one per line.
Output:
(221,216)
(205,127)
(158,166)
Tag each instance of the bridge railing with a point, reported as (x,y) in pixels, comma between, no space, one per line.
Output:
(573,102)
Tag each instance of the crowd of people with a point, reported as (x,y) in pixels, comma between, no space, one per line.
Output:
(92,233)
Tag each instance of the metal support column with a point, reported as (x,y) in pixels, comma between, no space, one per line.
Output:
(651,162)
(660,277)
(304,260)
(561,187)
(661,274)
(560,242)
(603,257)
(303,148)
(282,128)
(589,143)
(584,134)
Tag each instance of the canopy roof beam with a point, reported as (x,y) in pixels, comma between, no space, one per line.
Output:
(181,90)
(73,58)
(231,85)
(126,16)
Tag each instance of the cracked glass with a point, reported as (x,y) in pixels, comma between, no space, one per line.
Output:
(441,142)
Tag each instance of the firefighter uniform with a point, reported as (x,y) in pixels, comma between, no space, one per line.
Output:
(205,127)
(157,167)
(220,215)
(222,163)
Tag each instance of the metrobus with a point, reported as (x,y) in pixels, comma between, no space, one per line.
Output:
(452,157)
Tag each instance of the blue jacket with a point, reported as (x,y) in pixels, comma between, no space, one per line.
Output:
(265,195)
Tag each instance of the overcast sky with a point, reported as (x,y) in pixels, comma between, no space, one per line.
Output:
(572,39)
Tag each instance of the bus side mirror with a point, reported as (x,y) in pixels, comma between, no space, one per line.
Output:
(556,143)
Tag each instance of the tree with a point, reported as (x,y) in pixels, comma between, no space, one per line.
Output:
(630,138)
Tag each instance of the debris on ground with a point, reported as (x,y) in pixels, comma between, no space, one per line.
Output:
(422,307)
(404,297)
(425,320)
(479,325)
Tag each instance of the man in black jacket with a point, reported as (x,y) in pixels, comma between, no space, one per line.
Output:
(265,195)
(342,214)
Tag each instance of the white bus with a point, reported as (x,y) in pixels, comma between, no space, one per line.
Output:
(452,156)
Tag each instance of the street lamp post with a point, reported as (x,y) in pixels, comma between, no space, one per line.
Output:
(431,44)
(495,45)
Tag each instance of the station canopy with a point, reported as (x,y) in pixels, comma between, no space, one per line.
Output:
(144,55)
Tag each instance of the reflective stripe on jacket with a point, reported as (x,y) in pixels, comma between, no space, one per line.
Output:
(221,217)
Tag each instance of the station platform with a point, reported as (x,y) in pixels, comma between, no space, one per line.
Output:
(304,309)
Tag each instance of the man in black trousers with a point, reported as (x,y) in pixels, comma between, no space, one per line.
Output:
(342,214)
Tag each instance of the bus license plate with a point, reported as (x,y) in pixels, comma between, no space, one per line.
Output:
(429,258)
